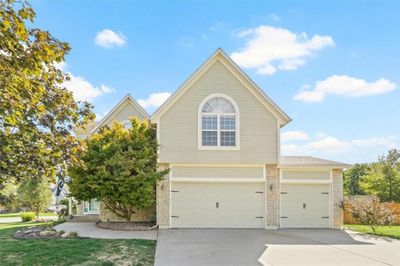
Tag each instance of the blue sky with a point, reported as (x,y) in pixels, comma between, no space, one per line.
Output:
(333,66)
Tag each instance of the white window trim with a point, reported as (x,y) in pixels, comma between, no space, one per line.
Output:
(237,124)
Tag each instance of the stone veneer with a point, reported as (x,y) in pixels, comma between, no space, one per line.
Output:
(272,196)
(163,200)
(143,215)
(337,191)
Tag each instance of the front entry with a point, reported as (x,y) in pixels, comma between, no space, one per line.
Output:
(305,206)
(217,205)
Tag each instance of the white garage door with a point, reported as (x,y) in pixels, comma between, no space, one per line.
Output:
(305,206)
(217,205)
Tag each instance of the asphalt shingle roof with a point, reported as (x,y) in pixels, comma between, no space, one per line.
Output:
(309,161)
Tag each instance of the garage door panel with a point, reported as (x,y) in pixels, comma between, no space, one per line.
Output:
(305,205)
(239,205)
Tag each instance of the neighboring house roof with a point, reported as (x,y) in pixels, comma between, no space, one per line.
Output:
(219,54)
(309,161)
(87,128)
(127,99)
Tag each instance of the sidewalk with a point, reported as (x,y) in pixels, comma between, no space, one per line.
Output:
(89,229)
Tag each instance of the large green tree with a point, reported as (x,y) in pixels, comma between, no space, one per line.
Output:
(35,194)
(118,167)
(383,180)
(36,112)
(353,178)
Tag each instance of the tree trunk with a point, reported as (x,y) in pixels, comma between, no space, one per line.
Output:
(37,211)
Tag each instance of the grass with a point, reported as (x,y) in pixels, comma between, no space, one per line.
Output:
(18,214)
(390,231)
(79,251)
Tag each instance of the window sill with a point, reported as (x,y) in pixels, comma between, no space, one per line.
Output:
(219,148)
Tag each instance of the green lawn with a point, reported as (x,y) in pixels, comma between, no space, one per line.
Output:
(18,214)
(71,251)
(390,231)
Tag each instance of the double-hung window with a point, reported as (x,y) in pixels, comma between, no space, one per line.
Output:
(219,125)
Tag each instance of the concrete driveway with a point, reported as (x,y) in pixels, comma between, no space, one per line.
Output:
(273,247)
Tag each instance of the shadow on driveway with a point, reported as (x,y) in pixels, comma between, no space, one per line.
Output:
(270,247)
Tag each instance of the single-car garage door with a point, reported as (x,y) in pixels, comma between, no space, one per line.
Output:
(217,205)
(305,205)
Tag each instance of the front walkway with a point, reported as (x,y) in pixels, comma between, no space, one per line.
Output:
(274,247)
(89,229)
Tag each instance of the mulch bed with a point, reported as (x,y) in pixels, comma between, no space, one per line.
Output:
(127,226)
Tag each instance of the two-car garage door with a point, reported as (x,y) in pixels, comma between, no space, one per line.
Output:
(217,205)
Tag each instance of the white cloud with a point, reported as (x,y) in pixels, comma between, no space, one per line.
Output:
(108,38)
(83,90)
(293,135)
(309,96)
(274,17)
(356,150)
(60,65)
(345,86)
(389,142)
(154,100)
(330,144)
(269,49)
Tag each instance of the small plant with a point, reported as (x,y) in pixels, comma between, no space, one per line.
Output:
(61,232)
(370,212)
(27,216)
(73,234)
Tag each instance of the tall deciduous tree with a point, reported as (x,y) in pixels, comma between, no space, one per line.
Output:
(35,194)
(353,178)
(36,112)
(118,167)
(383,180)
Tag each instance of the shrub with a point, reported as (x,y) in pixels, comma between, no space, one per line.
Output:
(370,212)
(27,216)
(73,234)
(59,221)
(119,168)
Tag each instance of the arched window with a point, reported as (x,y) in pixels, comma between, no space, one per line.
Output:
(127,124)
(218,122)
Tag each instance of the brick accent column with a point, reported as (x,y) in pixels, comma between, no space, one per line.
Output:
(337,196)
(272,196)
(163,198)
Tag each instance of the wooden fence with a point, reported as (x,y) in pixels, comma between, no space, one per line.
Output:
(395,206)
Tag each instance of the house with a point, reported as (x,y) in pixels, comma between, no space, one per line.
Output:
(219,134)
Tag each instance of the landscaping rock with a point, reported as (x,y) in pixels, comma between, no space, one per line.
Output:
(48,233)
(36,232)
(65,235)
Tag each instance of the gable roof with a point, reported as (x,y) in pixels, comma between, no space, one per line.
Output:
(309,161)
(220,55)
(127,99)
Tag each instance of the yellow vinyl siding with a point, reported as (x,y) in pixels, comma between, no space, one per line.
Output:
(306,175)
(179,124)
(217,172)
